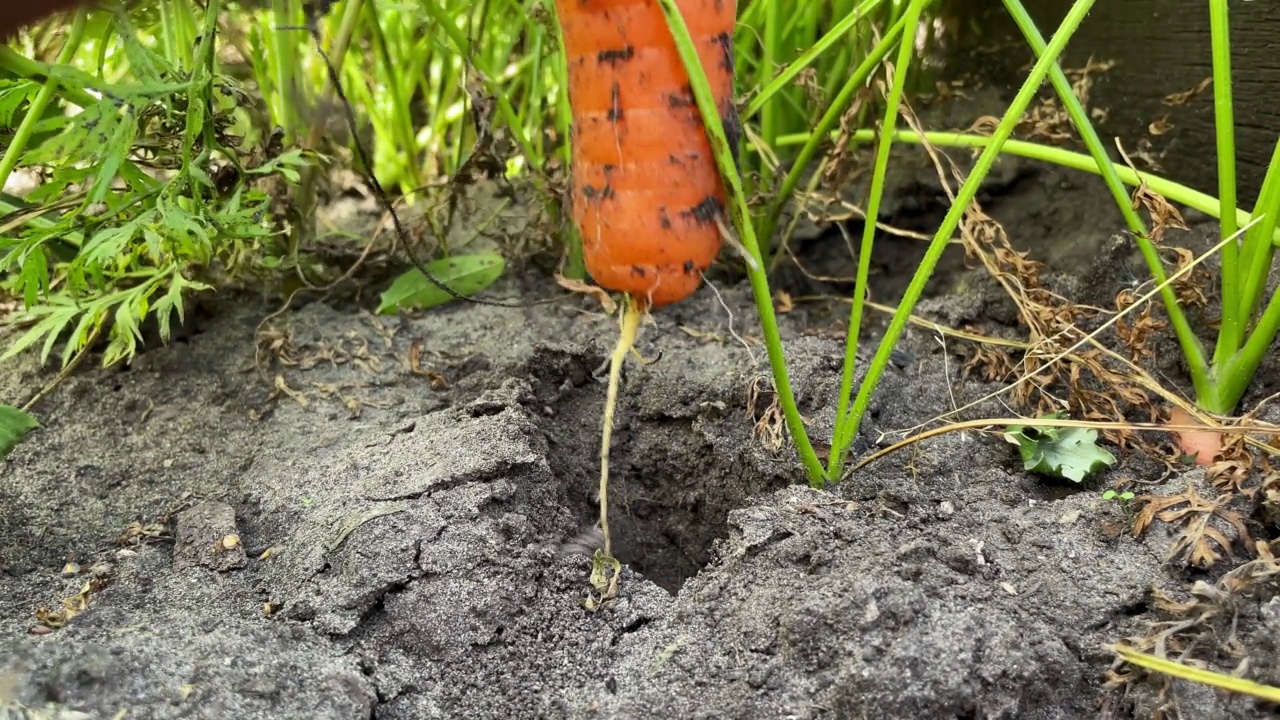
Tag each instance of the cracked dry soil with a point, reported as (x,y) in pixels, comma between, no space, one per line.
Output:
(347,536)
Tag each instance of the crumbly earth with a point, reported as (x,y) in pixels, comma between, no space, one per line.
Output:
(342,515)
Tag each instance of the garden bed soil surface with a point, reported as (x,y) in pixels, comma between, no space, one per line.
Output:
(341,515)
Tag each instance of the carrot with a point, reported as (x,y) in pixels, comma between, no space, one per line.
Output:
(647,197)
(646,193)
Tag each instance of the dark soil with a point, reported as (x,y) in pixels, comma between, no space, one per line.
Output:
(326,531)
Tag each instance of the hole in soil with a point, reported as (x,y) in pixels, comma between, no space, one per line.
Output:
(673,479)
(1135,609)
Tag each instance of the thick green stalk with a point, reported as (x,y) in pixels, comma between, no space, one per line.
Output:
(742,220)
(169,35)
(534,95)
(1258,250)
(768,65)
(1191,347)
(848,430)
(1234,376)
(899,81)
(35,111)
(1231,332)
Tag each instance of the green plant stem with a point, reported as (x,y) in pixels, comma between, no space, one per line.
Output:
(837,34)
(768,66)
(742,220)
(1258,250)
(1192,350)
(1175,192)
(847,428)
(287,89)
(1237,371)
(444,22)
(830,119)
(403,127)
(1231,333)
(881,168)
(22,66)
(35,111)
(1235,374)
(168,34)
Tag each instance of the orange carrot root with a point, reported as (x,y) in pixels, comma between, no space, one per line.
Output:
(1203,445)
(632,312)
(646,194)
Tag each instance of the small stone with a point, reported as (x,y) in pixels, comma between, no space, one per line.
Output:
(946,508)
(1069,517)
(207,535)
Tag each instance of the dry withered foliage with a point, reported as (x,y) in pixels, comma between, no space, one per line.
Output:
(1270,500)
(600,294)
(987,362)
(1164,216)
(50,620)
(1137,330)
(1189,288)
(1048,121)
(1160,125)
(1234,468)
(140,533)
(1182,98)
(1210,527)
(1085,382)
(1202,622)
(770,425)
(99,576)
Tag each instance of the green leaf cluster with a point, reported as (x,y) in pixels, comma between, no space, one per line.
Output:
(145,195)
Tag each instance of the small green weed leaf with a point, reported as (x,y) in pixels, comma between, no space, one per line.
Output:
(1065,452)
(14,425)
(465,274)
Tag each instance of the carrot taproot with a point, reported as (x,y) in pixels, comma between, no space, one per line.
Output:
(646,193)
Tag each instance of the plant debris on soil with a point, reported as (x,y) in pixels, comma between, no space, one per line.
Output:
(340,514)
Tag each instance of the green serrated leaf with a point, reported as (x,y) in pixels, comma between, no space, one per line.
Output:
(465,274)
(118,147)
(80,337)
(14,94)
(108,244)
(1065,452)
(14,426)
(34,276)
